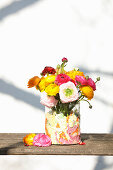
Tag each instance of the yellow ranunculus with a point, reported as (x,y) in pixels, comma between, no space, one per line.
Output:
(52,89)
(87,91)
(43,84)
(50,79)
(73,73)
(28,139)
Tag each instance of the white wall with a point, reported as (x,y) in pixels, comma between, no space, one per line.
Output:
(38,33)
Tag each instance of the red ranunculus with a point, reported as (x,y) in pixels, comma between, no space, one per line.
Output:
(49,70)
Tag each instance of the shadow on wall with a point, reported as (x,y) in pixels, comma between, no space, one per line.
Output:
(15,6)
(19,94)
(85,70)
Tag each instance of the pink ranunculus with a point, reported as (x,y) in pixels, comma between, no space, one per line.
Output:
(91,83)
(48,101)
(41,140)
(62,78)
(87,82)
(81,79)
(68,92)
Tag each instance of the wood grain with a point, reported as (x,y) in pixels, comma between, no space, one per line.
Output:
(96,144)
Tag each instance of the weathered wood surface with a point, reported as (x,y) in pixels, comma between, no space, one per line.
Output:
(96,144)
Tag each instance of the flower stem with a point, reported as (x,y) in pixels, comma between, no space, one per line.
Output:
(62,68)
(90,106)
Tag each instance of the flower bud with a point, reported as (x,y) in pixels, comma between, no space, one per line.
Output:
(90,106)
(58,66)
(64,60)
(98,78)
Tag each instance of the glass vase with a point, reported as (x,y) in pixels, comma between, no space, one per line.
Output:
(63,128)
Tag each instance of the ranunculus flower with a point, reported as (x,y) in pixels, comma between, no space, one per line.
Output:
(41,140)
(91,83)
(49,70)
(28,139)
(43,84)
(87,91)
(48,101)
(50,79)
(86,82)
(64,59)
(52,89)
(62,78)
(81,79)
(68,92)
(34,81)
(74,73)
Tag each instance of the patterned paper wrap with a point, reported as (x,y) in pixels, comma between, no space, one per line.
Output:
(63,129)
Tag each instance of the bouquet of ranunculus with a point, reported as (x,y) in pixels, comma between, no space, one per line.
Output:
(61,90)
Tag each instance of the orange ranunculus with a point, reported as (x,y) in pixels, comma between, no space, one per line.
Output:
(28,139)
(87,91)
(73,73)
(34,81)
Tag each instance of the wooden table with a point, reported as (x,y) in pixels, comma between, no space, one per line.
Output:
(96,144)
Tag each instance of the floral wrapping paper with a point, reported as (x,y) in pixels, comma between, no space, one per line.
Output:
(63,129)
